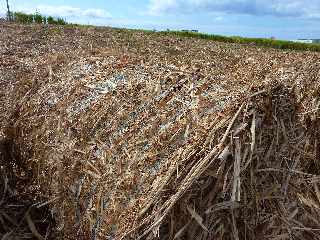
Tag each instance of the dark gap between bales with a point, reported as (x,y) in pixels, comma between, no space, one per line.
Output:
(21,215)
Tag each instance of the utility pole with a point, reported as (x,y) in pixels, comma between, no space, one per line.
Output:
(8,13)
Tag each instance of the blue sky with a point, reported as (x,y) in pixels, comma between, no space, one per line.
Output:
(283,19)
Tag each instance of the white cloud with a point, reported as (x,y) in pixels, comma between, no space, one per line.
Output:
(99,13)
(65,11)
(279,8)
(3,9)
(158,7)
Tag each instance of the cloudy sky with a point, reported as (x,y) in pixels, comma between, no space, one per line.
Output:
(283,19)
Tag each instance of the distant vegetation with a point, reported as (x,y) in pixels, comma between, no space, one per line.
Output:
(37,18)
(279,44)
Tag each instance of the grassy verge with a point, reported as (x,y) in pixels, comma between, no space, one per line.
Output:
(278,44)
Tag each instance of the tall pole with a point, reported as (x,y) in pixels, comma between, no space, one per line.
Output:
(8,13)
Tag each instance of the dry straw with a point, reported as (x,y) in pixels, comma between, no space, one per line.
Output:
(125,135)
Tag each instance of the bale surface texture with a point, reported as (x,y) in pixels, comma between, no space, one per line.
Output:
(134,135)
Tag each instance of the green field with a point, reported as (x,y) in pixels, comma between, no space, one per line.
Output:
(278,44)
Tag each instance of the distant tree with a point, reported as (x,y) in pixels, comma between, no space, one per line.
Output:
(38,18)
(23,17)
(29,18)
(61,21)
(50,20)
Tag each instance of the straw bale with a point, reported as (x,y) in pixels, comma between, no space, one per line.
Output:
(134,135)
